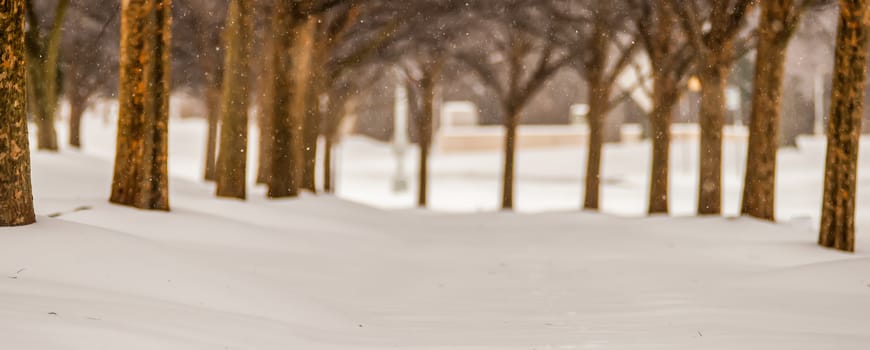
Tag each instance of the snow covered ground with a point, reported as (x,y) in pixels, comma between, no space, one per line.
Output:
(325,273)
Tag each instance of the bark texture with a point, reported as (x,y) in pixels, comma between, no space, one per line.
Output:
(16,196)
(779,19)
(844,126)
(233,155)
(140,177)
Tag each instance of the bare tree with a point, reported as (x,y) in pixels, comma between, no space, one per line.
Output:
(670,58)
(422,54)
(778,23)
(312,44)
(844,126)
(293,32)
(605,49)
(423,71)
(16,196)
(342,90)
(91,61)
(714,31)
(205,19)
(331,30)
(361,41)
(515,66)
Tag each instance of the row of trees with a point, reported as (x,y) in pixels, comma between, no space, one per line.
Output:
(317,54)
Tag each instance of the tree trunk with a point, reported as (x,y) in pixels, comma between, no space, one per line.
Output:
(233,155)
(266,96)
(281,180)
(666,76)
(77,106)
(665,97)
(16,196)
(288,106)
(759,186)
(327,164)
(301,80)
(140,177)
(42,68)
(45,107)
(211,64)
(424,129)
(714,77)
(311,132)
(317,84)
(844,127)
(598,100)
(78,96)
(510,139)
(334,113)
(213,99)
